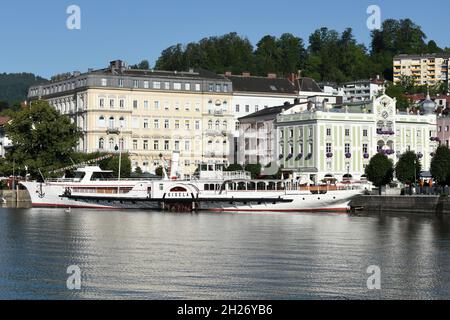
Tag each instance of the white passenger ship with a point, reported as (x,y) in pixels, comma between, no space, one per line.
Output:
(212,190)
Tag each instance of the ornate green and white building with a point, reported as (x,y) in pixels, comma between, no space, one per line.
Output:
(321,142)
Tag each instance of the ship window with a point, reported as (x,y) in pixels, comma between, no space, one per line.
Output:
(101,175)
(79,175)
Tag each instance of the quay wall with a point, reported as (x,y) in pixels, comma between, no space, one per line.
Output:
(15,199)
(416,204)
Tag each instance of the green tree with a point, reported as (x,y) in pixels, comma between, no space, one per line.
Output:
(113,165)
(41,137)
(408,168)
(234,167)
(440,166)
(380,171)
(254,169)
(138,171)
(159,171)
(143,65)
(292,54)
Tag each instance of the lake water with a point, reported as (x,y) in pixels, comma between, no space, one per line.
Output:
(151,255)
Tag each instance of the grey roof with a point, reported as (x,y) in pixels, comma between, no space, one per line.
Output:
(192,74)
(262,84)
(423,56)
(307,84)
(268,112)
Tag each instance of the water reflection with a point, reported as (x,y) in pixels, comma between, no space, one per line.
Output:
(147,255)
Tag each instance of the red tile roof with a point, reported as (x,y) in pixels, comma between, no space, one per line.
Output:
(4,120)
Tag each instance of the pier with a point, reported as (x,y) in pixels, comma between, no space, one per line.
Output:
(411,205)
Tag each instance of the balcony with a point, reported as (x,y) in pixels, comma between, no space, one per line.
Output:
(113,131)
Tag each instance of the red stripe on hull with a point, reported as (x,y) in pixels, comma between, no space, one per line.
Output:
(340,210)
(56,206)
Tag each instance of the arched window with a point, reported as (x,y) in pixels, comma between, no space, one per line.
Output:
(111,122)
(101,143)
(122,144)
(101,121)
(210,124)
(217,125)
(122,122)
(111,144)
(225,125)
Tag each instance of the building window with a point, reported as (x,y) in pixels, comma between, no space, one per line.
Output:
(111,103)
(156,85)
(167,85)
(166,124)
(102,103)
(101,121)
(347,132)
(166,145)
(328,132)
(210,125)
(328,148)
(135,83)
(135,104)
(237,126)
(122,122)
(217,125)
(146,105)
(121,83)
(112,144)
(145,123)
(237,108)
(225,88)
(111,123)
(104,82)
(177,124)
(247,108)
(187,86)
(256,108)
(145,84)
(365,149)
(187,124)
(145,145)
(177,86)
(135,123)
(197,87)
(155,145)
(347,148)
(101,143)
(218,87)
(135,144)
(157,105)
(122,104)
(156,123)
(187,145)
(365,133)
(197,125)
(177,145)
(210,87)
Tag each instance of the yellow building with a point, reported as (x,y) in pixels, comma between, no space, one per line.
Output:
(429,69)
(147,113)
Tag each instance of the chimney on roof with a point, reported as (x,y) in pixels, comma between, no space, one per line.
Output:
(228,73)
(117,65)
(272,75)
(246,74)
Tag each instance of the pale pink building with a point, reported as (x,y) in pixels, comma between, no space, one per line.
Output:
(443,123)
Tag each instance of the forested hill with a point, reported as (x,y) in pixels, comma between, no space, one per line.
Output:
(14,86)
(328,55)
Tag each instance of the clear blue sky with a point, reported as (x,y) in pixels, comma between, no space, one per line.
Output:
(34,37)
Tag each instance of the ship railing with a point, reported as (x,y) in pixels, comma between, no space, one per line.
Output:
(237,175)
